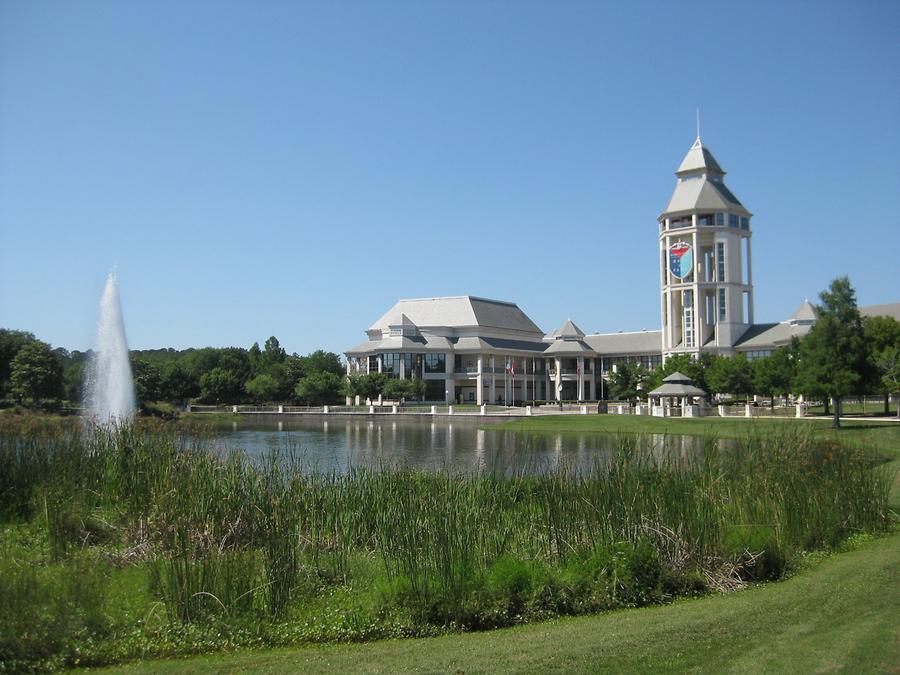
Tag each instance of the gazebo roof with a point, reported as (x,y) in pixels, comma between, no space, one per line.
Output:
(677,384)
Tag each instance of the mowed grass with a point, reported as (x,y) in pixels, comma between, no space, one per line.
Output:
(841,614)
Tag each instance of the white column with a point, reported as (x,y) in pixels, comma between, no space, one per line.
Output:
(558,381)
(580,378)
(479,395)
(381,363)
(449,381)
(493,389)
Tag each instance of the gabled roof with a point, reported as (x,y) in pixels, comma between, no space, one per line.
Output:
(458,312)
(699,158)
(568,329)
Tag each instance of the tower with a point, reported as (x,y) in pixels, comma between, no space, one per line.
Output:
(704,259)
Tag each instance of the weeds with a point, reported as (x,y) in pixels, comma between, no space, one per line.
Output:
(264,550)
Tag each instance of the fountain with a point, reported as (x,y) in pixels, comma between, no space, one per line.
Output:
(109,390)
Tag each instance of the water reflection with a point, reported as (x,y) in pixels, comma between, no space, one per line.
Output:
(431,443)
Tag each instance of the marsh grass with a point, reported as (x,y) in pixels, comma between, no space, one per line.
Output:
(265,552)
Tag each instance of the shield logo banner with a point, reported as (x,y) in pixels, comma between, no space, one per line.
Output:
(681,259)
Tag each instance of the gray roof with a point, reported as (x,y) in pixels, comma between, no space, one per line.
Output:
(679,378)
(677,389)
(569,347)
(805,313)
(611,344)
(770,335)
(703,194)
(568,329)
(459,311)
(891,309)
(699,158)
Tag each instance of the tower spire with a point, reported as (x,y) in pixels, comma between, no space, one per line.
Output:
(698,123)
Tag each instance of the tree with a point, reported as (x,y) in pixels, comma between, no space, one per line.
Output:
(321,361)
(263,388)
(627,381)
(319,388)
(833,355)
(273,354)
(883,343)
(36,373)
(177,383)
(410,389)
(147,380)
(729,375)
(365,385)
(220,385)
(11,341)
(774,374)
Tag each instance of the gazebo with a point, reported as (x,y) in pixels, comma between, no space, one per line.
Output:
(676,391)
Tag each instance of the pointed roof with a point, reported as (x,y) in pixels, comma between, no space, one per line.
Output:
(568,330)
(680,378)
(569,347)
(400,319)
(700,186)
(699,158)
(805,313)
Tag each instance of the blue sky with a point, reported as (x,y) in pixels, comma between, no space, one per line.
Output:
(292,169)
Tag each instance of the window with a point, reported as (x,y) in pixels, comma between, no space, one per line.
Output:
(706,220)
(733,220)
(688,299)
(435,363)
(373,364)
(435,390)
(391,364)
(745,223)
(721,304)
(720,219)
(720,258)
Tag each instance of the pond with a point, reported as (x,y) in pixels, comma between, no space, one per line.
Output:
(466,444)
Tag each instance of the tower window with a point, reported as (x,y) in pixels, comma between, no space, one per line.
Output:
(721,304)
(745,223)
(720,260)
(720,219)
(733,220)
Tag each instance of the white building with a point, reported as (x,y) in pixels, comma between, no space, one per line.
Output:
(470,349)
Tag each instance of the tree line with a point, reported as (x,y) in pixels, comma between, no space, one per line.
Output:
(31,371)
(844,354)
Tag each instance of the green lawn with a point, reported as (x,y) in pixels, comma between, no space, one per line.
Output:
(841,614)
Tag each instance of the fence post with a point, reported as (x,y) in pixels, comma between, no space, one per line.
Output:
(371,409)
(234,409)
(528,411)
(281,410)
(393,410)
(801,410)
(483,410)
(721,411)
(434,410)
(748,410)
(325,409)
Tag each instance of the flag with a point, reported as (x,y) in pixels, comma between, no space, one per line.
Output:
(512,368)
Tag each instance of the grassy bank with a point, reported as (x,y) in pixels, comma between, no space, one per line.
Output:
(142,543)
(838,615)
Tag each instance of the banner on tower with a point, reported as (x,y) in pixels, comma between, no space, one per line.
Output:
(681,259)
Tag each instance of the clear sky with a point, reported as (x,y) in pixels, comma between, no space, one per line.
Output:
(294,168)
